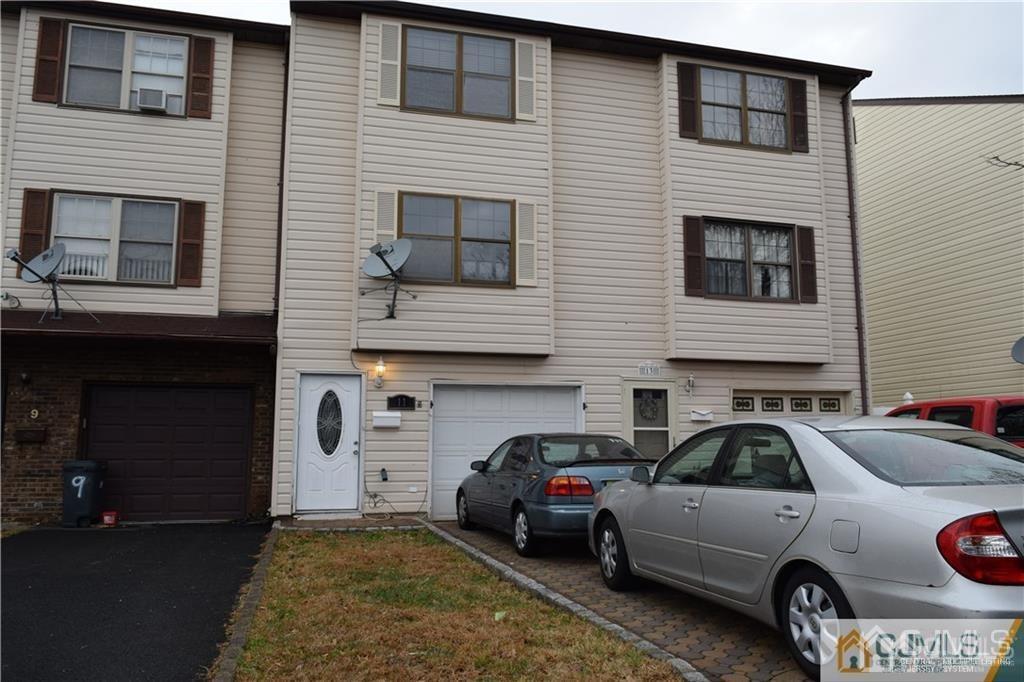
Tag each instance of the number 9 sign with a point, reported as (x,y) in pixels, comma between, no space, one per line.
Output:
(79,482)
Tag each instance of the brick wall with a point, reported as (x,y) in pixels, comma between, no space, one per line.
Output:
(49,376)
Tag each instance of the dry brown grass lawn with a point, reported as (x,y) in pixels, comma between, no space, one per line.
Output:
(371,606)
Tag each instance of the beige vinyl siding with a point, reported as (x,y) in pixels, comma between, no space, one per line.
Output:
(414,151)
(748,184)
(319,235)
(114,152)
(943,235)
(249,257)
(9,23)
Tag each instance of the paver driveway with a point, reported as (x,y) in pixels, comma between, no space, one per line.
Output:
(720,643)
(141,603)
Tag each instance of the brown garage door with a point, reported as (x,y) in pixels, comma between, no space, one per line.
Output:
(172,452)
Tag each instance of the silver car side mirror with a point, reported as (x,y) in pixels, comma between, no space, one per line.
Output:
(640,475)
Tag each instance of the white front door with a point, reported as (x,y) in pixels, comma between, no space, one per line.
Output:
(327,462)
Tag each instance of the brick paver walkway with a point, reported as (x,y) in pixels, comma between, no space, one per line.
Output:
(720,643)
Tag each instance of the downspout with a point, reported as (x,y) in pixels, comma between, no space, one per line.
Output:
(862,351)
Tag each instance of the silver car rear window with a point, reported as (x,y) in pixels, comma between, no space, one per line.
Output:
(934,457)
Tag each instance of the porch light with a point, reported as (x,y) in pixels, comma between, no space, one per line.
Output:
(379,370)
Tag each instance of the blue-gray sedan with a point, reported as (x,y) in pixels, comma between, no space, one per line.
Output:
(542,485)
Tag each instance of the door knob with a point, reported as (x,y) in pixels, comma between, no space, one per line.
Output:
(787,512)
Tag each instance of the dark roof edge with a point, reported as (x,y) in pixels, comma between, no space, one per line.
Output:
(253,31)
(563,35)
(952,99)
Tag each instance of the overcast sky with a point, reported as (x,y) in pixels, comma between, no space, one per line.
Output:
(914,48)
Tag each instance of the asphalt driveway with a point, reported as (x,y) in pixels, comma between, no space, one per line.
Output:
(147,602)
(718,642)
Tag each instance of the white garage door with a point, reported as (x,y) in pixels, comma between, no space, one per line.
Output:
(469,422)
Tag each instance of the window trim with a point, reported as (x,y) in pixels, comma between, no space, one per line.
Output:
(744,112)
(126,70)
(715,479)
(794,266)
(457,238)
(115,237)
(511,118)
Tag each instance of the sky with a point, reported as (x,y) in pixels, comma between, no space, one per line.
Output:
(916,49)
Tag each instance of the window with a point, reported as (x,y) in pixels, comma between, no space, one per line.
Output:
(107,67)
(457,73)
(457,240)
(908,414)
(329,423)
(116,239)
(692,462)
(498,456)
(743,108)
(568,450)
(518,456)
(961,416)
(748,260)
(763,458)
(1010,422)
(651,430)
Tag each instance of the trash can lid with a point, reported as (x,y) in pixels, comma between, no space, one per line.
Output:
(84,465)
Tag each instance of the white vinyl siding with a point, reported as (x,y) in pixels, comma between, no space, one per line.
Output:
(249,260)
(942,233)
(9,23)
(107,152)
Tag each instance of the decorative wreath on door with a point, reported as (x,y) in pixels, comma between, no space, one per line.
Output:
(648,406)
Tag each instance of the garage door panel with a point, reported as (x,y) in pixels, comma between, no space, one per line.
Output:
(469,422)
(168,454)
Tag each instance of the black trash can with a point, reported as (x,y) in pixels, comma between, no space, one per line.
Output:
(83,482)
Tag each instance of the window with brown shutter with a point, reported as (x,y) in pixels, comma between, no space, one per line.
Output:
(190,243)
(46,86)
(35,223)
(808,275)
(200,90)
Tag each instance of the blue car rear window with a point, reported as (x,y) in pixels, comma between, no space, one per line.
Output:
(568,450)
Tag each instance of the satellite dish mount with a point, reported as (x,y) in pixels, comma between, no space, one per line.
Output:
(46,268)
(386,261)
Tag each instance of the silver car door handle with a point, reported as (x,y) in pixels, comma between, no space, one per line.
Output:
(690,505)
(788,513)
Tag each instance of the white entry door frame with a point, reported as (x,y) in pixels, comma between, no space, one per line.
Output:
(328,461)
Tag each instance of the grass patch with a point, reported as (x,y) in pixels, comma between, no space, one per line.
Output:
(406,605)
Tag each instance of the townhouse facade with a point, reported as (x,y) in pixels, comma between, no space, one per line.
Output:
(943,228)
(169,217)
(608,233)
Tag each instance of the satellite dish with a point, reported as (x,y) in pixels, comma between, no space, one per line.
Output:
(386,261)
(387,258)
(1018,351)
(43,266)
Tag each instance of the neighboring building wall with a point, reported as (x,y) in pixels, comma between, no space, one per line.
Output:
(943,236)
(248,269)
(50,375)
(79,149)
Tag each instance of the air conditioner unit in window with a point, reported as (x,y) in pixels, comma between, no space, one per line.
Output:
(152,99)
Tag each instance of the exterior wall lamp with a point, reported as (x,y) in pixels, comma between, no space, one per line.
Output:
(378,371)
(691,384)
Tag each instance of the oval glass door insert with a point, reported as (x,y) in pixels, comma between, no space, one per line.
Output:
(329,423)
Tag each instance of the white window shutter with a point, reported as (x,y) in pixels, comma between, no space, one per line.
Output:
(389,76)
(526,68)
(386,216)
(526,244)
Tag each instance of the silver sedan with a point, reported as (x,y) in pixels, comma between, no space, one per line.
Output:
(801,522)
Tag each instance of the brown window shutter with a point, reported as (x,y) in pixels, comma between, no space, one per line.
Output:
(693,255)
(190,243)
(798,107)
(35,223)
(808,275)
(687,99)
(200,78)
(49,61)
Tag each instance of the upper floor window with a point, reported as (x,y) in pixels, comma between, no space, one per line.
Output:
(733,107)
(457,73)
(125,69)
(116,239)
(457,240)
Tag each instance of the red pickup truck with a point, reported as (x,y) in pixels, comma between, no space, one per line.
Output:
(999,416)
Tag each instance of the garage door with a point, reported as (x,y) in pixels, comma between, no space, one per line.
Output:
(172,452)
(469,422)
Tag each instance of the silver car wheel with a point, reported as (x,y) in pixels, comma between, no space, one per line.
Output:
(813,621)
(609,552)
(522,529)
